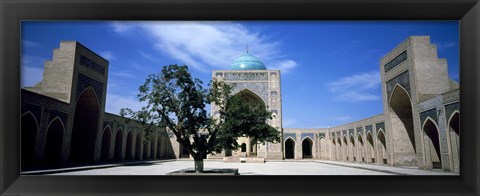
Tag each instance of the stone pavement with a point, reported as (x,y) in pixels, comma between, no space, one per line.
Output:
(304,167)
(387,169)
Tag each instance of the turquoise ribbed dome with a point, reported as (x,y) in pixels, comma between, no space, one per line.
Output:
(247,62)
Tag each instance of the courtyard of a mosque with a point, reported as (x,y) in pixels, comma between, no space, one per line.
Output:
(304,167)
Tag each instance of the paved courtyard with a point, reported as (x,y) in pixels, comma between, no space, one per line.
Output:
(312,167)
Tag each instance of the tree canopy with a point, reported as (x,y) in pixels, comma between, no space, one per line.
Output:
(178,102)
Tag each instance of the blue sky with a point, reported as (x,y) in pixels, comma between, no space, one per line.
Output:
(329,69)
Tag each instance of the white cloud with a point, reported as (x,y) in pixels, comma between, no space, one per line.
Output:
(31,76)
(107,55)
(148,56)
(285,66)
(288,122)
(206,45)
(27,43)
(121,27)
(32,61)
(116,102)
(356,88)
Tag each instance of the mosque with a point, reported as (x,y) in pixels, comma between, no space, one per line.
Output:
(63,118)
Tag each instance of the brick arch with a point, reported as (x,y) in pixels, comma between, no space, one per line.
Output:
(129,146)
(29,130)
(138,146)
(382,146)
(432,144)
(352,139)
(370,148)
(106,138)
(361,148)
(401,119)
(85,126)
(289,148)
(455,118)
(307,148)
(248,92)
(54,141)
(453,136)
(351,148)
(118,144)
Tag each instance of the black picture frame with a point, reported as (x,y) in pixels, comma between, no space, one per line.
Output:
(13,12)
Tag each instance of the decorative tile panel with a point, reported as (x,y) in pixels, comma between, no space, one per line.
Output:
(360,130)
(304,135)
(85,81)
(62,115)
(402,79)
(90,64)
(259,88)
(395,61)
(381,125)
(450,108)
(107,123)
(368,129)
(430,113)
(291,135)
(246,76)
(36,110)
(321,135)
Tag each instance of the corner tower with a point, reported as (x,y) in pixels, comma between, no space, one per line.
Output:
(252,78)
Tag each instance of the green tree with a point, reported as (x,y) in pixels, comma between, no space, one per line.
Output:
(176,101)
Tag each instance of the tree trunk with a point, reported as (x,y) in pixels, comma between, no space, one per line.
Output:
(198,165)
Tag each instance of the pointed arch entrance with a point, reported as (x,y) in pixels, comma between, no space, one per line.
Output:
(361,156)
(402,127)
(382,147)
(243,147)
(454,133)
(129,146)
(106,137)
(118,145)
(432,145)
(29,130)
(289,149)
(53,145)
(85,125)
(370,148)
(251,96)
(352,149)
(307,144)
(250,149)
